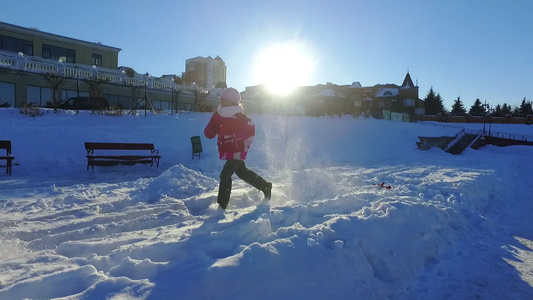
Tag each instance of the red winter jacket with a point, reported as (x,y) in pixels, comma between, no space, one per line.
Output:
(235,132)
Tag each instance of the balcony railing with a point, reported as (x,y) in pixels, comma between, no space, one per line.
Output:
(135,82)
(34,66)
(8,62)
(76,73)
(40,67)
(108,77)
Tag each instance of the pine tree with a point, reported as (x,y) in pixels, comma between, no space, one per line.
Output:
(433,103)
(525,108)
(506,109)
(440,104)
(498,111)
(477,109)
(458,108)
(516,111)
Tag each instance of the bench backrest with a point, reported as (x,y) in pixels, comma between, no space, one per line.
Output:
(196,144)
(118,146)
(6,145)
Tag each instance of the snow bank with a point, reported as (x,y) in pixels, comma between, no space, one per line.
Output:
(330,231)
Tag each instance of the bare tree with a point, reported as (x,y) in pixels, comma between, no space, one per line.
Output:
(96,87)
(55,82)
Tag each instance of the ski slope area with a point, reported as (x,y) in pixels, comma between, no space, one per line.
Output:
(450,226)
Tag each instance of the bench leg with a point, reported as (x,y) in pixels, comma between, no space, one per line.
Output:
(9,166)
(156,161)
(90,162)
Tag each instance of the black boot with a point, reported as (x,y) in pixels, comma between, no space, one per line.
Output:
(223,205)
(267,190)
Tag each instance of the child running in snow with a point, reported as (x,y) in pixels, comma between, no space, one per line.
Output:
(235,133)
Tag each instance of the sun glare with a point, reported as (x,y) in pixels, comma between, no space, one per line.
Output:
(282,67)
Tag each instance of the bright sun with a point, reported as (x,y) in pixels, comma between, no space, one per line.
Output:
(284,66)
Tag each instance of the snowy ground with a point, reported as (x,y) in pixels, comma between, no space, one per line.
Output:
(450,227)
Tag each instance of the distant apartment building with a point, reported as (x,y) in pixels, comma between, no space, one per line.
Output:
(206,72)
(30,57)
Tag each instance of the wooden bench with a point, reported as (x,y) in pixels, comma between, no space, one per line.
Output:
(109,160)
(8,157)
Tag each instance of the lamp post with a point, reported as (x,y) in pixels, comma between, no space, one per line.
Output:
(528,122)
(485,113)
(94,72)
(148,79)
(20,61)
(178,91)
(61,72)
(490,110)
(78,92)
(171,99)
(60,67)
(195,90)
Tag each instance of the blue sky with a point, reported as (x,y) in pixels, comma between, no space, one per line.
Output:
(472,49)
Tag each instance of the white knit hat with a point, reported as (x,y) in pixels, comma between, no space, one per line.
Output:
(231,95)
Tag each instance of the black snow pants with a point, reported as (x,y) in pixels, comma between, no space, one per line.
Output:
(238,167)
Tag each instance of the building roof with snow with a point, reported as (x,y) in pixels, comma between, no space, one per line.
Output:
(355,85)
(387,92)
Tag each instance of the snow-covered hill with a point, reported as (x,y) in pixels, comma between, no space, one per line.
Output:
(450,227)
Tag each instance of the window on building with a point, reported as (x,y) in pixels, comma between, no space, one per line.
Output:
(387,93)
(15,45)
(161,105)
(33,94)
(7,94)
(112,100)
(47,53)
(59,53)
(42,95)
(71,56)
(28,48)
(408,102)
(97,59)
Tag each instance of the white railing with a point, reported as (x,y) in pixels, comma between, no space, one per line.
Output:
(40,67)
(75,73)
(479,134)
(135,82)
(108,77)
(159,85)
(9,62)
(511,136)
(22,63)
(456,138)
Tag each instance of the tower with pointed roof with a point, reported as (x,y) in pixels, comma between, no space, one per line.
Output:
(408,90)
